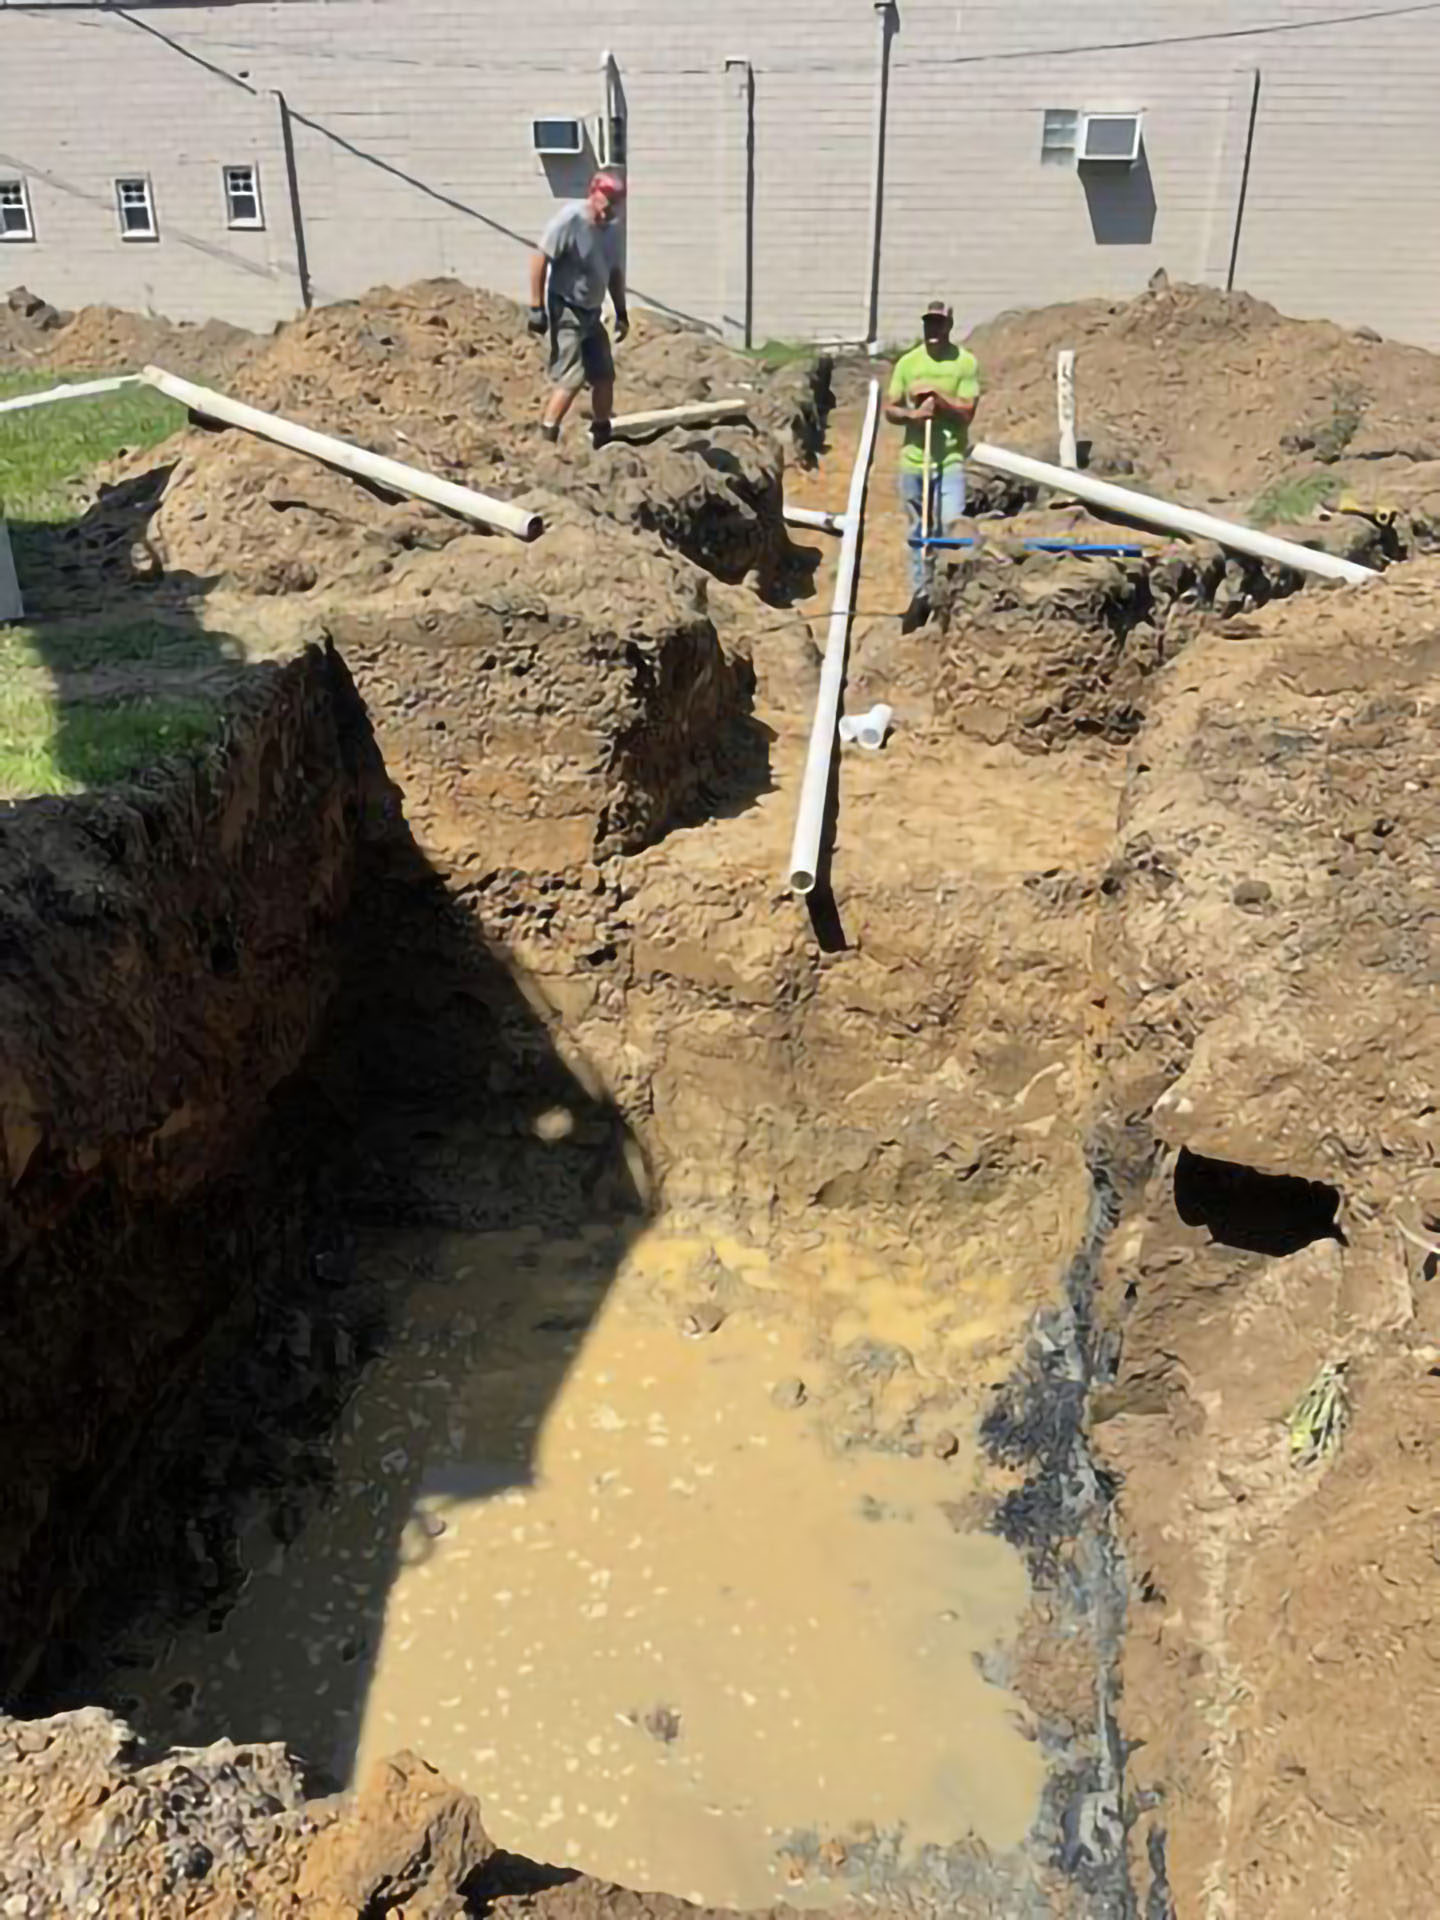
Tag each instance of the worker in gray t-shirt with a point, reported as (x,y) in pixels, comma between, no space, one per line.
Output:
(576,264)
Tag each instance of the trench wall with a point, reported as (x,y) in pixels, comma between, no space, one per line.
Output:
(167,952)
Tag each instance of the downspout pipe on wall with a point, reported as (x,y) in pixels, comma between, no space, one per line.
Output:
(1241,196)
(609,103)
(886,17)
(612,101)
(304,286)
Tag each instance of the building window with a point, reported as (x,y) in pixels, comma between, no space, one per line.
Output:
(15,221)
(1058,135)
(136,205)
(242,197)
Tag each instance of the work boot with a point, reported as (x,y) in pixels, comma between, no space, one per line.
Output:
(600,434)
(916,614)
(550,430)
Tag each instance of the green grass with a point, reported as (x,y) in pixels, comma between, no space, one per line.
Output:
(1287,501)
(50,746)
(1333,434)
(49,742)
(47,454)
(82,645)
(775,354)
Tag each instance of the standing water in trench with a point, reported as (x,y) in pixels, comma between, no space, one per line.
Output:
(720,1637)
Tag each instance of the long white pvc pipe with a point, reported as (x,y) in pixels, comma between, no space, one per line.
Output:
(814,517)
(693,415)
(815,784)
(80,390)
(393,474)
(1159,513)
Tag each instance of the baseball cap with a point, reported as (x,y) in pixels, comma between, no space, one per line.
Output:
(939,310)
(610,184)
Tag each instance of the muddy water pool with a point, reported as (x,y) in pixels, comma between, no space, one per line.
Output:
(660,1547)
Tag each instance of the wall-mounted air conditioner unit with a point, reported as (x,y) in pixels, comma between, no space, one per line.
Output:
(1111,139)
(558,136)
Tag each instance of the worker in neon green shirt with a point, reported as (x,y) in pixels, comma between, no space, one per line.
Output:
(936,382)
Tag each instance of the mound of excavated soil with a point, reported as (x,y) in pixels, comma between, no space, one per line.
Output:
(449,380)
(105,340)
(429,370)
(225,507)
(1205,394)
(576,711)
(1042,649)
(460,362)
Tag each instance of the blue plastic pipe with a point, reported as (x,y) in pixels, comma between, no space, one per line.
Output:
(1043,546)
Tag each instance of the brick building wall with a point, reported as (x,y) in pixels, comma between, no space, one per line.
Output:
(752,139)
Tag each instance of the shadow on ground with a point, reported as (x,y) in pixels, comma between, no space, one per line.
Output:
(435,1105)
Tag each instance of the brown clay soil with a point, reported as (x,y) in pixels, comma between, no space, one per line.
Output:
(1106,1071)
(105,340)
(1206,396)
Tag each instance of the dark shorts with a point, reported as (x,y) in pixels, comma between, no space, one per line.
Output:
(579,348)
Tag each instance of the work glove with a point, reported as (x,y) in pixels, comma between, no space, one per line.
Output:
(622,325)
(537,322)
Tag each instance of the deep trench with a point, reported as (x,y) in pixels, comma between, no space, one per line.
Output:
(241,1426)
(355,1140)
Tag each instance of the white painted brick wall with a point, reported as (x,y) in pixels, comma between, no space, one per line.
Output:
(81,105)
(412,142)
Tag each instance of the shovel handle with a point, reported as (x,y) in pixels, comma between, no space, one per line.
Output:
(929,469)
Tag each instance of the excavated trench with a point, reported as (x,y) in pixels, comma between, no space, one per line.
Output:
(548,1315)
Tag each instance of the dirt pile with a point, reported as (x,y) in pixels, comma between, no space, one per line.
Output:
(1041,649)
(456,363)
(107,340)
(1211,396)
(448,379)
(233,511)
(1270,939)
(574,691)
(90,1826)
(573,713)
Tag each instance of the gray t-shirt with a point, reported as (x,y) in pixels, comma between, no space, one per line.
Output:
(582,256)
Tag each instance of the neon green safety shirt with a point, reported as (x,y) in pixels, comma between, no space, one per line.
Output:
(957,375)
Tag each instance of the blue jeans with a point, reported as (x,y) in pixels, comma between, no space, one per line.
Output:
(947,505)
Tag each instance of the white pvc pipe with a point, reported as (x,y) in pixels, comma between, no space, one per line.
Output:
(693,415)
(81,390)
(393,474)
(815,783)
(813,517)
(1159,513)
(1065,407)
(867,730)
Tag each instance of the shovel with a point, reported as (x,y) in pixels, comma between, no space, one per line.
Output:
(925,528)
